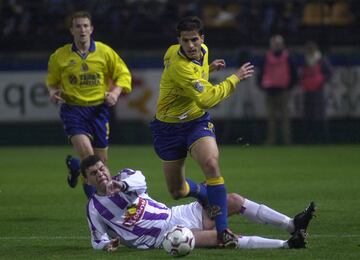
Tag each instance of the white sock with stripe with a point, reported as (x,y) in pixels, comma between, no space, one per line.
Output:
(248,242)
(262,214)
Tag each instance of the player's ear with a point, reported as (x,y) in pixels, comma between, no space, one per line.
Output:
(86,180)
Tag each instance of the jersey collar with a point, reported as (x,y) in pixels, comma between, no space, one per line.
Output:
(92,48)
(198,62)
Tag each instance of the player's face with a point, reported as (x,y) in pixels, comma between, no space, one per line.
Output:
(81,29)
(190,42)
(98,175)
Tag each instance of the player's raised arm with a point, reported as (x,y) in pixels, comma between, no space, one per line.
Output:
(217,65)
(245,71)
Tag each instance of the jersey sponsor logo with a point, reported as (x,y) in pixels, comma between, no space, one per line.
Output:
(198,86)
(210,127)
(90,79)
(134,214)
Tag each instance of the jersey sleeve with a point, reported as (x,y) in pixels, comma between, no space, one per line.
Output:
(99,237)
(53,75)
(135,180)
(119,72)
(205,94)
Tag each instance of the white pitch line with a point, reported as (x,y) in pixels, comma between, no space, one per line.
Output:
(88,238)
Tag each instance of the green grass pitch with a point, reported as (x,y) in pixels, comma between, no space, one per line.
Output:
(42,218)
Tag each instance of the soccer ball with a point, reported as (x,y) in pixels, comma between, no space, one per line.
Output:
(178,241)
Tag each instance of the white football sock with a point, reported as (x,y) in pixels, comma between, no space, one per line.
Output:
(265,215)
(248,242)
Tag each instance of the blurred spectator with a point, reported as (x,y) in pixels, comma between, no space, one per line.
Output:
(249,21)
(316,72)
(14,18)
(252,21)
(291,17)
(187,7)
(276,77)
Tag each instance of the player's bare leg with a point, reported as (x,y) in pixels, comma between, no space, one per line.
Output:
(205,152)
(174,172)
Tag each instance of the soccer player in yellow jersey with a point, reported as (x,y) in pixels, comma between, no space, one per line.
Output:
(86,78)
(182,125)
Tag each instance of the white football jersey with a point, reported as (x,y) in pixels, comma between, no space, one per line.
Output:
(132,215)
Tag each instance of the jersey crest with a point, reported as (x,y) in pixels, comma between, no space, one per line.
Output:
(198,86)
(134,214)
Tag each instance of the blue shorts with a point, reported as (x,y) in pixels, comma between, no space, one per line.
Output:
(92,121)
(173,140)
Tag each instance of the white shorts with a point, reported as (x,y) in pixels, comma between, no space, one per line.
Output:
(189,215)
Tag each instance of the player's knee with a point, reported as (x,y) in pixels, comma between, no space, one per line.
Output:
(235,202)
(177,194)
(235,198)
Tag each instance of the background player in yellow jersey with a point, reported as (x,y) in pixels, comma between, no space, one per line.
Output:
(86,78)
(182,125)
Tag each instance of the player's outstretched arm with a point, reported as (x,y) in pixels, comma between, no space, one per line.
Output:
(217,65)
(115,187)
(245,71)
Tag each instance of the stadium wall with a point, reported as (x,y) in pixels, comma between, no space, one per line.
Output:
(28,117)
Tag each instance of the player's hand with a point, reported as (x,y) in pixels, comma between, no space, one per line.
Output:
(55,96)
(246,71)
(115,187)
(217,65)
(113,245)
(111,98)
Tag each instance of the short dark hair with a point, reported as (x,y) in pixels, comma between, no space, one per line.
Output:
(88,162)
(79,14)
(190,23)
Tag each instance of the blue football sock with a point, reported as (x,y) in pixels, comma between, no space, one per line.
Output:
(197,190)
(217,197)
(89,190)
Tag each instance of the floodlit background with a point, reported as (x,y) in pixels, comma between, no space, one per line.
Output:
(236,30)
(42,218)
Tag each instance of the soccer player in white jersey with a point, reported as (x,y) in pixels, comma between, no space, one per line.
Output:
(122,212)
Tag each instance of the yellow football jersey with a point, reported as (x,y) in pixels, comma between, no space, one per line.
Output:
(84,80)
(185,91)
